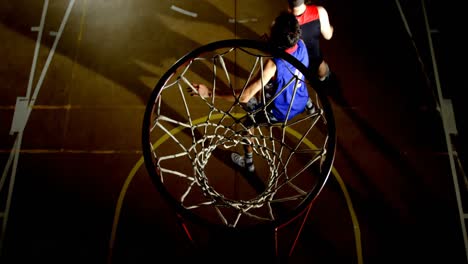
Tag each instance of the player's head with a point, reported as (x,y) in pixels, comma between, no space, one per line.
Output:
(295,3)
(285,31)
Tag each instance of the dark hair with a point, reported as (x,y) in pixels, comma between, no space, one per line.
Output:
(295,3)
(285,31)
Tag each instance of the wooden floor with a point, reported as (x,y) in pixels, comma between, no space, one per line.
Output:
(74,186)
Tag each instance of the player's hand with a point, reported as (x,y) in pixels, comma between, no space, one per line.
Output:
(199,90)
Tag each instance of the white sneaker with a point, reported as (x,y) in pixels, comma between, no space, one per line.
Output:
(311,110)
(310,107)
(240,161)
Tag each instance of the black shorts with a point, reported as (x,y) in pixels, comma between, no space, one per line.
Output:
(262,117)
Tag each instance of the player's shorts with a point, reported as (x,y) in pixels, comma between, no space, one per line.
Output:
(263,117)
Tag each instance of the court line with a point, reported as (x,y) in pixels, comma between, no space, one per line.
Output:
(139,163)
(183,11)
(18,140)
(349,204)
(356,229)
(38,45)
(50,56)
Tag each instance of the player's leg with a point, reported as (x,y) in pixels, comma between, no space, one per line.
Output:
(246,160)
(323,71)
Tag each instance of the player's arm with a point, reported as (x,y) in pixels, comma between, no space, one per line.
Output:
(262,78)
(325,28)
(253,88)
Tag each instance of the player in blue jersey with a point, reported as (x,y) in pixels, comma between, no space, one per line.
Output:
(285,34)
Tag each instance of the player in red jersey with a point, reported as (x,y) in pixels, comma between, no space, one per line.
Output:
(315,24)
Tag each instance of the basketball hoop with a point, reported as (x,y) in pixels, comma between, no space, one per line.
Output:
(186,140)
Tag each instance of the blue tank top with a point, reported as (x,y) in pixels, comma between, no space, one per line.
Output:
(285,72)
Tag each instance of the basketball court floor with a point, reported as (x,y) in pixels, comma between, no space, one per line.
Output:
(76,76)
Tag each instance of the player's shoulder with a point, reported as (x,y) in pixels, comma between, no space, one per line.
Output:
(312,8)
(321,9)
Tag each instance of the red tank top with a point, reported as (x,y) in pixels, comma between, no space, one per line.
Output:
(310,14)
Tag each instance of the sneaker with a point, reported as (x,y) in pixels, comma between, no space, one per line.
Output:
(252,104)
(311,110)
(240,161)
(310,107)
